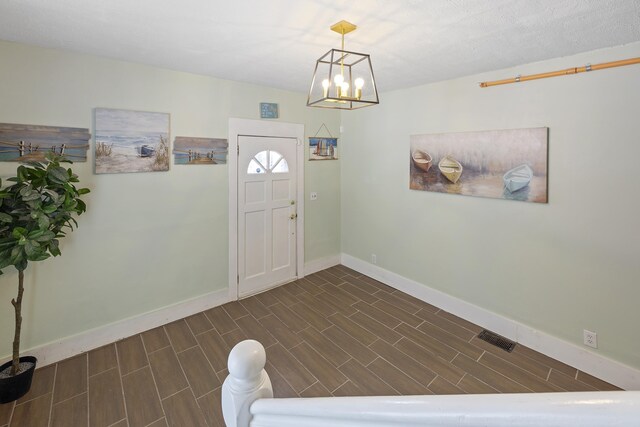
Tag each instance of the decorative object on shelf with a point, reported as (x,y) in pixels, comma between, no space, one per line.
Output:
(131,141)
(35,212)
(21,143)
(343,79)
(323,148)
(503,164)
(268,110)
(200,151)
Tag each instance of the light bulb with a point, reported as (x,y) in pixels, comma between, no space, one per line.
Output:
(359,83)
(339,78)
(344,89)
(325,88)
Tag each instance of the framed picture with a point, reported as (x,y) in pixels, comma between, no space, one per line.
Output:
(503,164)
(323,148)
(200,151)
(131,141)
(268,110)
(22,143)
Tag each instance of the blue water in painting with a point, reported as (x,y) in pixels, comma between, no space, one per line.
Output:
(183,159)
(220,154)
(133,141)
(328,141)
(75,155)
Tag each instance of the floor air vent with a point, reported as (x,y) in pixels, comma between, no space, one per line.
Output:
(497,340)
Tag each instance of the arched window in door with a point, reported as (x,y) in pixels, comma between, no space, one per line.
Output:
(267,161)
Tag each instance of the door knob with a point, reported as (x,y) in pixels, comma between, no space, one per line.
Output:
(293,216)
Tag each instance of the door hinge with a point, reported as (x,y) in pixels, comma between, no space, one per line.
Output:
(238,147)
(238,279)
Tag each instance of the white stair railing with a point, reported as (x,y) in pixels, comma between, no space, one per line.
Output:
(247,402)
(246,383)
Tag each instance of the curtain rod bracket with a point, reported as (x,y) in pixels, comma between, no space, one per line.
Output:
(518,78)
(588,67)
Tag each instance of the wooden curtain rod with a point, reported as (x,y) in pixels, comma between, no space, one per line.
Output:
(575,70)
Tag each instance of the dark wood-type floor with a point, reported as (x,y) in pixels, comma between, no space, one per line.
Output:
(334,333)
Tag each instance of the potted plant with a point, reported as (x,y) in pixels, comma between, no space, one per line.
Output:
(34,213)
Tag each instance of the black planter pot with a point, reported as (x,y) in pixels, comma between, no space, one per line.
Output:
(13,388)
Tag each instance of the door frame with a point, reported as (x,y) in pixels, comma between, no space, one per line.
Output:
(260,128)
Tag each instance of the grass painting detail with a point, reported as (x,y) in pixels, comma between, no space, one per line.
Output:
(131,141)
(503,164)
(323,148)
(200,151)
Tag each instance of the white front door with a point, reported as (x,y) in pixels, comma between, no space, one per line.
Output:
(267,212)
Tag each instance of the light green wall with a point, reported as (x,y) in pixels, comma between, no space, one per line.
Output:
(155,239)
(559,267)
(147,240)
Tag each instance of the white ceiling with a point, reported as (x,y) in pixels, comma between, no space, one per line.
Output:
(276,42)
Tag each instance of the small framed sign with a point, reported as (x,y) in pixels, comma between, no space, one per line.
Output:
(268,110)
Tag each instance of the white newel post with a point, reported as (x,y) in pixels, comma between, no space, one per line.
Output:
(247,382)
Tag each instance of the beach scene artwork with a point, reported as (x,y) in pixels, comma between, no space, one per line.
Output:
(323,148)
(131,141)
(200,151)
(503,164)
(22,143)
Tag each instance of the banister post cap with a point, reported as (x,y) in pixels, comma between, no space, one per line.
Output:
(247,360)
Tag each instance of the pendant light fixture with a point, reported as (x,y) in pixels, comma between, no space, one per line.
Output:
(343,79)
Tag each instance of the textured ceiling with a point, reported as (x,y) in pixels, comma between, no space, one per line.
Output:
(276,42)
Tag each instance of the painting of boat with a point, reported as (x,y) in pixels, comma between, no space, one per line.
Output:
(508,164)
(450,168)
(422,160)
(131,141)
(147,151)
(517,178)
(323,148)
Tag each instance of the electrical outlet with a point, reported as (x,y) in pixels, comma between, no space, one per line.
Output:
(374,259)
(590,339)
(313,195)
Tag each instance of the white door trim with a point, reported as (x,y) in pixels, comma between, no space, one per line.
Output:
(247,127)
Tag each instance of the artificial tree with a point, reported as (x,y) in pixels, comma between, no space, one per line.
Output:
(34,213)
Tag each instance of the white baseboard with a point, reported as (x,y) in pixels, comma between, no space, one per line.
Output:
(320,264)
(70,346)
(587,361)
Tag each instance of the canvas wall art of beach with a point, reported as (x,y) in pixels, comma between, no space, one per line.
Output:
(22,142)
(200,151)
(131,141)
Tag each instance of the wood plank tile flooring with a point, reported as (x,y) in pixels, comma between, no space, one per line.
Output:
(334,333)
